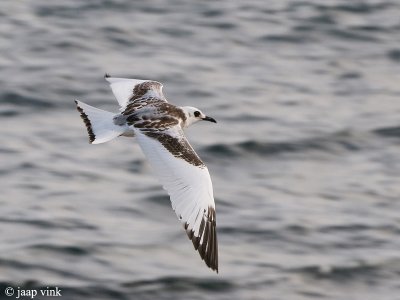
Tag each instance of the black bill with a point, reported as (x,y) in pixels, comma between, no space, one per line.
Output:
(209,119)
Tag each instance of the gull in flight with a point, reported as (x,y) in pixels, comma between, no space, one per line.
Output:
(158,127)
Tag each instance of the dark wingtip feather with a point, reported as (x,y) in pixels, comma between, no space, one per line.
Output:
(106,75)
(208,250)
(86,120)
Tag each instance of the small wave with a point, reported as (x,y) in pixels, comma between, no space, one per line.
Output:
(176,32)
(347,228)
(338,142)
(24,101)
(370,28)
(266,234)
(222,25)
(161,199)
(348,34)
(70,250)
(60,224)
(4,150)
(35,265)
(36,223)
(182,284)
(210,13)
(285,38)
(356,7)
(350,75)
(9,113)
(394,55)
(73,11)
(388,131)
(340,273)
(197,93)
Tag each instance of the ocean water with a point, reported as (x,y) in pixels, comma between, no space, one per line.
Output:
(305,157)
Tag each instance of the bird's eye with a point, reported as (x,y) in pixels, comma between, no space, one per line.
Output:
(196,113)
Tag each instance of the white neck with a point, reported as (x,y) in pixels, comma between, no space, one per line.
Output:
(190,118)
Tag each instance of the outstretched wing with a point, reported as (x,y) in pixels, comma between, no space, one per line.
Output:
(130,92)
(188,183)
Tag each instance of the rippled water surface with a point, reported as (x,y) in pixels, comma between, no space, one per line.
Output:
(305,158)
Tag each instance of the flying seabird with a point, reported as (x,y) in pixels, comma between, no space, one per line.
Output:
(158,127)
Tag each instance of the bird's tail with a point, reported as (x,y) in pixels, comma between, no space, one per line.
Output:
(99,123)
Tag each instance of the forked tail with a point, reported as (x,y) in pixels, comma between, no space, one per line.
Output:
(99,123)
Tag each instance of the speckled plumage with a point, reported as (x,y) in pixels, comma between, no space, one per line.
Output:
(158,127)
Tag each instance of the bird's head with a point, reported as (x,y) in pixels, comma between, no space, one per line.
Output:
(194,115)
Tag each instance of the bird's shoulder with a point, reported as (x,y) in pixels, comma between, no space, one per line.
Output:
(155,116)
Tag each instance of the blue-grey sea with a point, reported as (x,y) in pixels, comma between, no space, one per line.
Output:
(305,157)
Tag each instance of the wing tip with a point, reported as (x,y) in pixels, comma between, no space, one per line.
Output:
(88,124)
(208,250)
(108,78)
